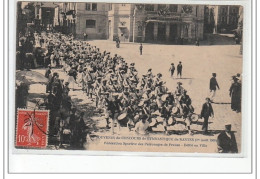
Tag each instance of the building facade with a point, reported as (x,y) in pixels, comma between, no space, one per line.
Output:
(89,18)
(166,23)
(76,18)
(221,19)
(46,14)
(92,19)
(155,22)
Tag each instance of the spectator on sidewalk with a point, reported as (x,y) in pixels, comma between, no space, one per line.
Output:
(235,94)
(226,141)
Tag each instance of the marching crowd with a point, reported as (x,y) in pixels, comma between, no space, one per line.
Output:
(124,98)
(139,103)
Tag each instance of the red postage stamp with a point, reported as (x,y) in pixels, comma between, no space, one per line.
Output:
(31,128)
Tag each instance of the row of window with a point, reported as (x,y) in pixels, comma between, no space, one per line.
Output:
(233,20)
(224,10)
(91,7)
(92,23)
(150,7)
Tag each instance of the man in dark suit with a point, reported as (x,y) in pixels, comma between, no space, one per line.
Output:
(206,112)
(179,69)
(213,84)
(226,141)
(141,49)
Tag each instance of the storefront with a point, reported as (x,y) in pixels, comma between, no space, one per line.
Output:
(163,30)
(156,23)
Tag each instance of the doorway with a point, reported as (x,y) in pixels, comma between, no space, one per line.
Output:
(173,33)
(149,32)
(161,36)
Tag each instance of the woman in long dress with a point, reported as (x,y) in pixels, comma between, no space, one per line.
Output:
(235,94)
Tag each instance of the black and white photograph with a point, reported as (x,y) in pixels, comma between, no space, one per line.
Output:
(129,77)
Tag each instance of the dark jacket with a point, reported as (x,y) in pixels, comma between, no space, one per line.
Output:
(207,110)
(226,144)
(213,84)
(179,67)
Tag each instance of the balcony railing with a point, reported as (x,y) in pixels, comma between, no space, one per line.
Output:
(156,13)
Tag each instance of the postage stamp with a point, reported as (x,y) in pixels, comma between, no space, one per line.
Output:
(31,128)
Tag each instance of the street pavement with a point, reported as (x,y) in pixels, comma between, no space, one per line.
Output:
(198,65)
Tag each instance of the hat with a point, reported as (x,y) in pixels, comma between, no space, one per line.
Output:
(228,127)
(184,91)
(180,83)
(214,74)
(150,69)
(208,99)
(179,61)
(172,63)
(66,83)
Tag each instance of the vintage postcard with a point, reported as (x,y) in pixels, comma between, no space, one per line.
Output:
(129,77)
